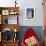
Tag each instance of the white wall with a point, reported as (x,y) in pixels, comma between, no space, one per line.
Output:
(37,4)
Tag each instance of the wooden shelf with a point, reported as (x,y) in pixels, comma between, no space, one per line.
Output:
(9,43)
(9,8)
(5,11)
(9,26)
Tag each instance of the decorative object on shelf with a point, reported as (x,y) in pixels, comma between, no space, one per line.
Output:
(5,12)
(6,21)
(15,37)
(15,30)
(15,3)
(15,34)
(0,12)
(7,34)
(30,13)
(13,12)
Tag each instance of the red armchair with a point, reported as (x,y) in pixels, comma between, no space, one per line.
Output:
(30,34)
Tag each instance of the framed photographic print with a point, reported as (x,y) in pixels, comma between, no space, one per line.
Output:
(5,12)
(30,13)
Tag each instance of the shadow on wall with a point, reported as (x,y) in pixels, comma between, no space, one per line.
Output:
(37,29)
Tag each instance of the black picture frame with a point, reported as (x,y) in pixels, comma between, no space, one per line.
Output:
(30,13)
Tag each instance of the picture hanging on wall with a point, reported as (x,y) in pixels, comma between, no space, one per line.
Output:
(30,13)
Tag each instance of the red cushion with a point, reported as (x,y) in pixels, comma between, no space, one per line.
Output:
(29,33)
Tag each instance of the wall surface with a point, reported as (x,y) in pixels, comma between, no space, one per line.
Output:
(38,12)
(24,4)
